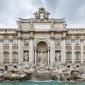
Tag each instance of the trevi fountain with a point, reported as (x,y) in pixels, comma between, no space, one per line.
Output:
(42,64)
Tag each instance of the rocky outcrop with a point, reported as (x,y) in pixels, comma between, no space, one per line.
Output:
(41,75)
(15,74)
(75,74)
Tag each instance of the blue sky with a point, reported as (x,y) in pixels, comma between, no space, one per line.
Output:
(72,10)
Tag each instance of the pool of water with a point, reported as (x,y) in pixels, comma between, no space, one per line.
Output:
(50,82)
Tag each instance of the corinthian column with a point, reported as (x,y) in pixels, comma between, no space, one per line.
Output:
(52,51)
(82,51)
(31,51)
(10,54)
(1,49)
(63,51)
(35,51)
(73,50)
(20,51)
(48,55)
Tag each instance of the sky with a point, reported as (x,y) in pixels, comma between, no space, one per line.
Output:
(72,10)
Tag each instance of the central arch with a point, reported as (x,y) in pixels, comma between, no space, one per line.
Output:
(42,53)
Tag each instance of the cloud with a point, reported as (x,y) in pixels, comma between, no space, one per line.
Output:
(13,9)
(72,10)
(44,3)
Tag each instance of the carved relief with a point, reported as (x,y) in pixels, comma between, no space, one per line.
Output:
(5,47)
(57,43)
(77,48)
(68,48)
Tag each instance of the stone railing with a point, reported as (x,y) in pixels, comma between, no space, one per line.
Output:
(76,31)
(7,30)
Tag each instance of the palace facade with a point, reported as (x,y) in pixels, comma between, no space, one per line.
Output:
(41,41)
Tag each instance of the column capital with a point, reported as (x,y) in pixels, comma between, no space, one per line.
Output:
(48,48)
(35,48)
(31,38)
(82,40)
(20,38)
(63,38)
(52,38)
(73,40)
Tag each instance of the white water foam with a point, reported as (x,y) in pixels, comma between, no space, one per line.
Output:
(41,81)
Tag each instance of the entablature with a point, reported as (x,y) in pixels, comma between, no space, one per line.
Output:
(76,30)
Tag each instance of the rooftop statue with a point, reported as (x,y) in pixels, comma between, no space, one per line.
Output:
(41,14)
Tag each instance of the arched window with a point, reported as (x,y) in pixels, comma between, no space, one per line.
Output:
(15,57)
(77,55)
(6,57)
(68,55)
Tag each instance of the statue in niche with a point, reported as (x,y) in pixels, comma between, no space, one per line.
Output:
(26,56)
(26,42)
(42,59)
(58,56)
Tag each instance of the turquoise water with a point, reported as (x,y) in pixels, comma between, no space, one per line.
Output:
(39,83)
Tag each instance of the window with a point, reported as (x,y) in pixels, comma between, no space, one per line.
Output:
(68,42)
(15,41)
(6,57)
(77,55)
(57,42)
(15,57)
(68,55)
(77,41)
(1,40)
(6,41)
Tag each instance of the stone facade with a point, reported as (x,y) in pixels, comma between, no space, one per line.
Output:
(41,41)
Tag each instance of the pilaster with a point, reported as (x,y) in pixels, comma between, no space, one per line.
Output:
(31,50)
(52,51)
(20,52)
(1,50)
(63,51)
(73,51)
(10,51)
(82,51)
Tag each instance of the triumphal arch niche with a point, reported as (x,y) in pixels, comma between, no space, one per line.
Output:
(42,53)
